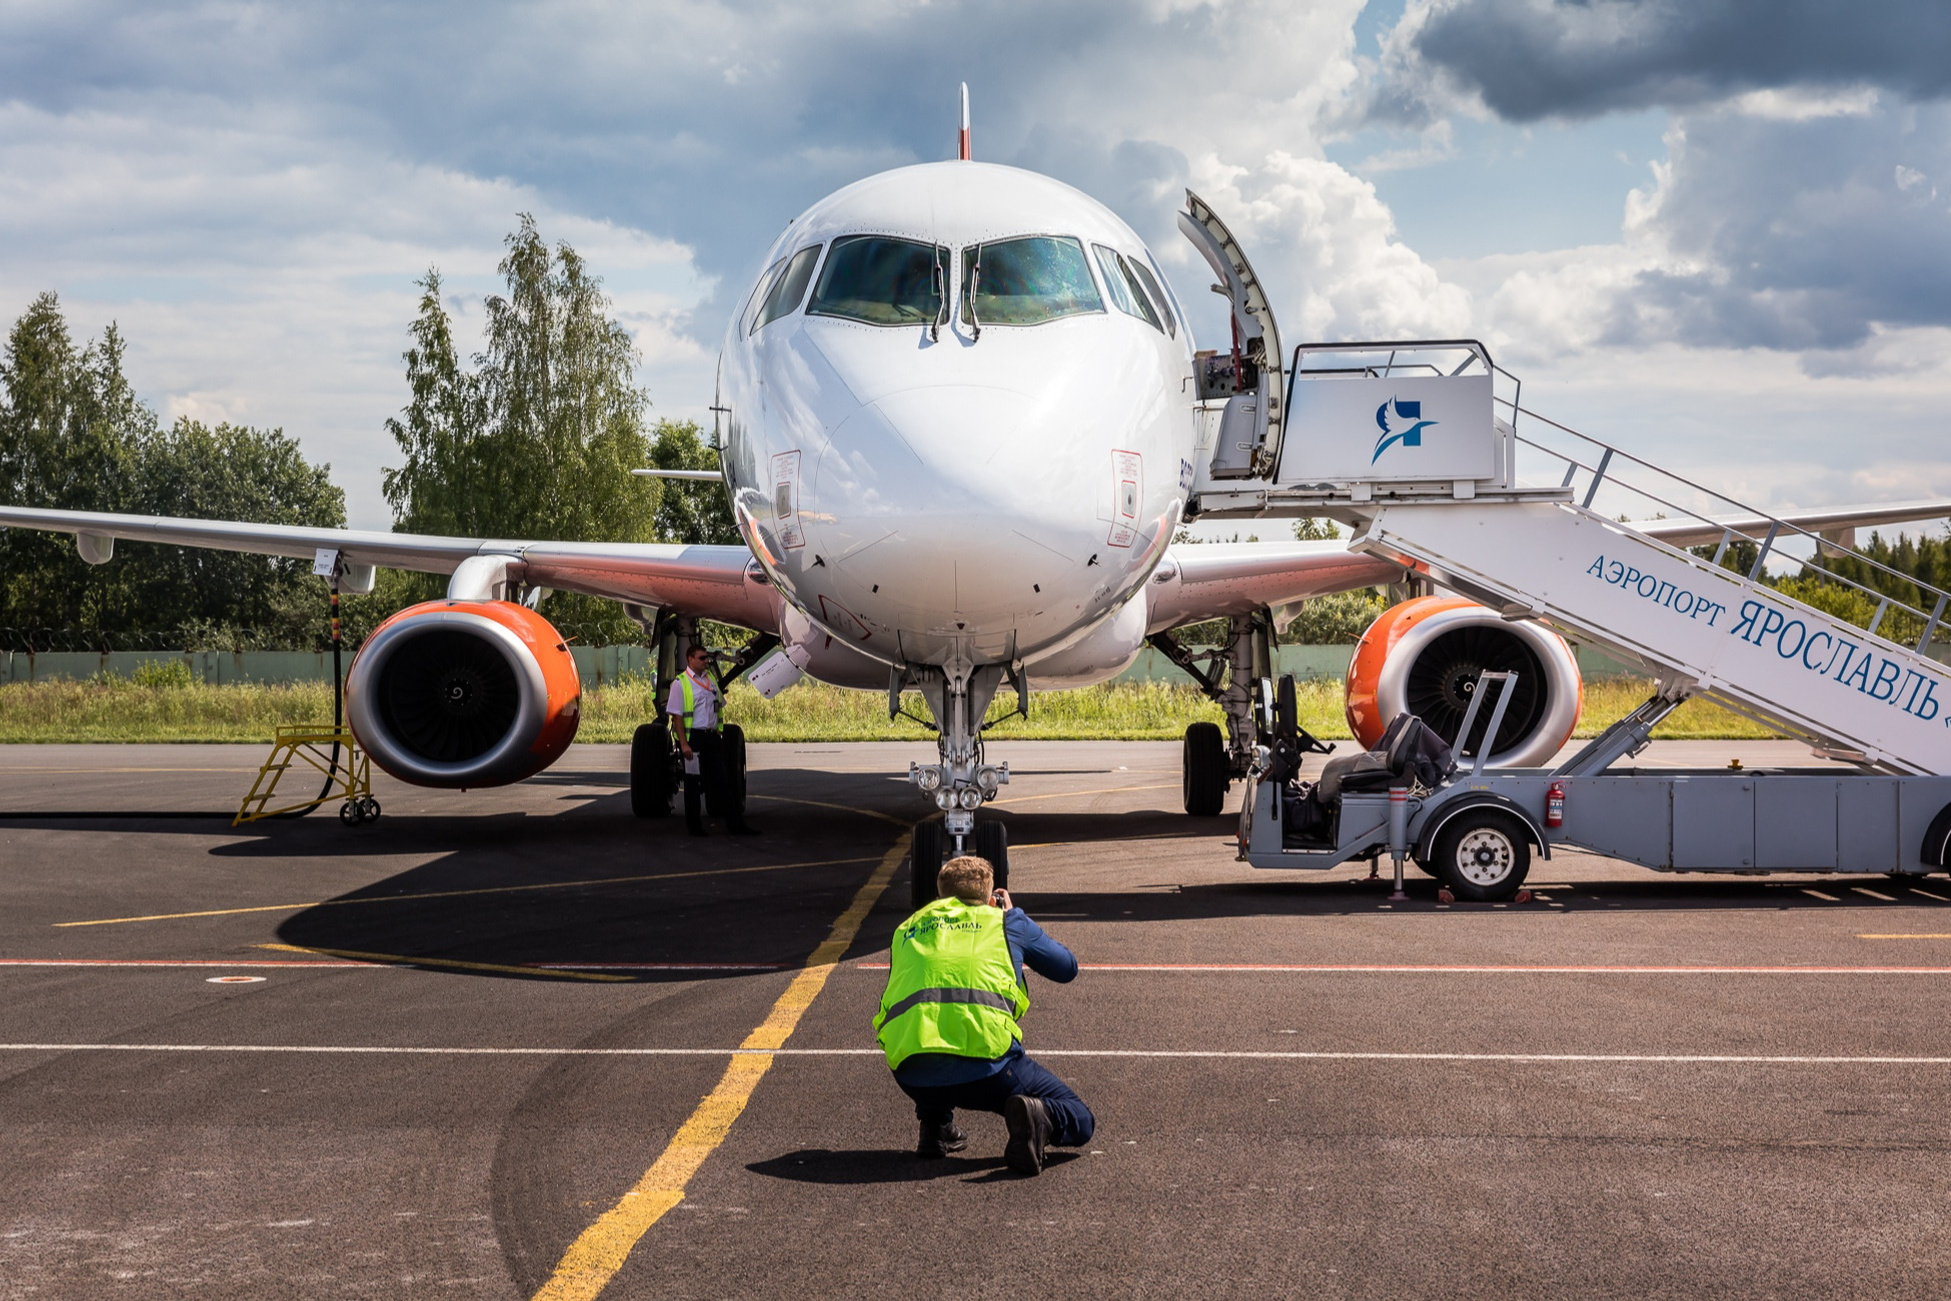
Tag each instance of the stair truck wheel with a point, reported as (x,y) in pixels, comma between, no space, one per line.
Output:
(1204,775)
(992,843)
(927,851)
(653,771)
(1482,855)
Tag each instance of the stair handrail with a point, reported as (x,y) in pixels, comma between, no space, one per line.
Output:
(1728,531)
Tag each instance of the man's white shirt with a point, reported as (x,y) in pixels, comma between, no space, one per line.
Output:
(704,709)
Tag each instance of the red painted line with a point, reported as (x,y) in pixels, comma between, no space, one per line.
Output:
(542,966)
(1463,968)
(162,962)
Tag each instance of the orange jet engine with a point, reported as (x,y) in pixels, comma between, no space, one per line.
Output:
(464,693)
(1424,656)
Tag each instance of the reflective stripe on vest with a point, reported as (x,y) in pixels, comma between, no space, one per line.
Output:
(951,986)
(690,689)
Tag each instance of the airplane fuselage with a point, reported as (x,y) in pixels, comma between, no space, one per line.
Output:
(959,424)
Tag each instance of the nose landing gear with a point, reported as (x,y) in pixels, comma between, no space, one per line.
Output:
(961,782)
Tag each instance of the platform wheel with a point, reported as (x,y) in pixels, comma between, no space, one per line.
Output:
(368,809)
(653,771)
(1204,775)
(1482,855)
(351,814)
(992,843)
(928,850)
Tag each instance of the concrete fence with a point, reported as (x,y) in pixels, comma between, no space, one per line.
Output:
(598,665)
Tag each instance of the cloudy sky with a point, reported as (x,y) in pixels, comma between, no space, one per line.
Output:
(1716,232)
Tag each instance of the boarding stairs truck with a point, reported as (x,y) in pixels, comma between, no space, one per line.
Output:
(1425,451)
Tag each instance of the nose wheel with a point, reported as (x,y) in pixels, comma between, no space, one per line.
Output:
(932,846)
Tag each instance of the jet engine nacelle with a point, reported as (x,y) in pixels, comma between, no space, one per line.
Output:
(464,693)
(1424,656)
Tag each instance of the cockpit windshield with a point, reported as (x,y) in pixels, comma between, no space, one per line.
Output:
(881,280)
(1027,281)
(1124,288)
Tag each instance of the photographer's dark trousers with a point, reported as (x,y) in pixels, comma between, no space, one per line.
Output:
(711,779)
(1071,1122)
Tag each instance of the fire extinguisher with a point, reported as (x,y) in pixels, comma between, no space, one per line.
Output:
(1555,805)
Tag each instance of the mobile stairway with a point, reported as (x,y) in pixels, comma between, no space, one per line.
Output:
(1425,450)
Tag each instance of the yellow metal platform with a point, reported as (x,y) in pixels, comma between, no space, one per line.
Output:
(310,747)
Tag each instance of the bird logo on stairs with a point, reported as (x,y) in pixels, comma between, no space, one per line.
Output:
(1410,437)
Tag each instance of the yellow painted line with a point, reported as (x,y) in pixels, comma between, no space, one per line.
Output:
(842,808)
(407,960)
(1931,936)
(1108,790)
(455,894)
(599,1252)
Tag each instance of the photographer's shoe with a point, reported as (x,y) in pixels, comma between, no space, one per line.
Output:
(940,1140)
(1029,1129)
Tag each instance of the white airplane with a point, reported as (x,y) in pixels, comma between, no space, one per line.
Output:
(960,413)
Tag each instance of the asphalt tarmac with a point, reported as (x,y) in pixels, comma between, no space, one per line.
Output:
(485,1047)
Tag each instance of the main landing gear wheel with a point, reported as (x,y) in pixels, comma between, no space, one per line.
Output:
(929,849)
(1482,855)
(1204,775)
(653,771)
(732,743)
(992,843)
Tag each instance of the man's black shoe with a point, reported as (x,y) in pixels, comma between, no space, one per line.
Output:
(1029,1129)
(742,828)
(940,1140)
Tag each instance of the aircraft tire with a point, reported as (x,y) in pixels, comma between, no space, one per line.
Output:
(929,848)
(992,843)
(653,779)
(734,751)
(1204,770)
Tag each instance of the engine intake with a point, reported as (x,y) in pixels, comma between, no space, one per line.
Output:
(1423,656)
(464,693)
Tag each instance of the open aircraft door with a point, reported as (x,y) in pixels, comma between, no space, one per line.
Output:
(1248,442)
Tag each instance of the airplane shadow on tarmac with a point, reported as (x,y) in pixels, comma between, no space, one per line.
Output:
(818,1165)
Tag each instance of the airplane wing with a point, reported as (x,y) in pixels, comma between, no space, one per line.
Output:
(1835,524)
(721,583)
(1208,580)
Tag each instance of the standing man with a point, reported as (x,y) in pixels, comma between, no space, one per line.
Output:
(949,1019)
(695,721)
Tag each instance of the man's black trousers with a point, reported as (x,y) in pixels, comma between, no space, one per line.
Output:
(712,781)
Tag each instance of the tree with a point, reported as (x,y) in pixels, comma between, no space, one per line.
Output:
(536,442)
(690,512)
(74,436)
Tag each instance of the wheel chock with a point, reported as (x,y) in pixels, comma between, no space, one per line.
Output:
(1443,895)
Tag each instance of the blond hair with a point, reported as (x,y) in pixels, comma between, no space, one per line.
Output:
(968,878)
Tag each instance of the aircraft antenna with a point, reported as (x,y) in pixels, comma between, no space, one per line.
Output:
(963,140)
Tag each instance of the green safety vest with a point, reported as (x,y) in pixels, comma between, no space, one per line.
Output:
(690,690)
(951,987)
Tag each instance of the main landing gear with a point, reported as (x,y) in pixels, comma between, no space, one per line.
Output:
(958,696)
(656,764)
(1238,677)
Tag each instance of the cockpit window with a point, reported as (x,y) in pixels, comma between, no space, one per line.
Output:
(782,299)
(1124,288)
(1027,281)
(881,280)
(1144,274)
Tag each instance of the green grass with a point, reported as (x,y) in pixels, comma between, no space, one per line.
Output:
(118,710)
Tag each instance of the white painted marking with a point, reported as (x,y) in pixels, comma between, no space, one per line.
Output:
(1820,895)
(1160,1053)
(1887,898)
(233,980)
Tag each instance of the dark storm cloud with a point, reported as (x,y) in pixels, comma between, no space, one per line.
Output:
(1801,235)
(1534,59)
